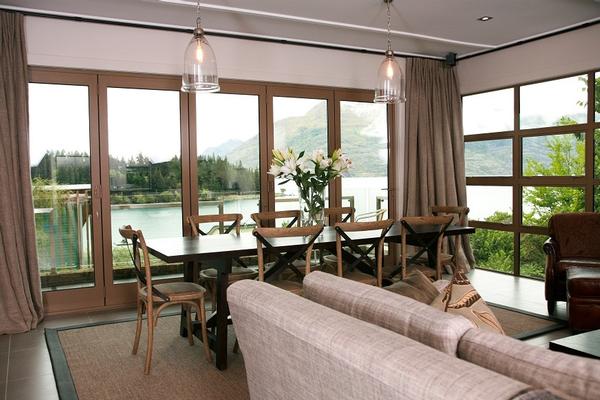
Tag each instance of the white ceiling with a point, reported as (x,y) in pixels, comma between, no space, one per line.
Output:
(421,27)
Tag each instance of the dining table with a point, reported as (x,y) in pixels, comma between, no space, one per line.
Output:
(221,251)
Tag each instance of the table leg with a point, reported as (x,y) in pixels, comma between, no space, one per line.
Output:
(222,314)
(188,276)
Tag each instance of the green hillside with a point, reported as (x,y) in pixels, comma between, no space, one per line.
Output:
(309,132)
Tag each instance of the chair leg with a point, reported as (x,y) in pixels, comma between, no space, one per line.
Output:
(212,292)
(202,312)
(189,325)
(138,326)
(236,347)
(150,317)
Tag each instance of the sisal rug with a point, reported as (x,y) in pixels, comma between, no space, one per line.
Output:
(523,325)
(95,362)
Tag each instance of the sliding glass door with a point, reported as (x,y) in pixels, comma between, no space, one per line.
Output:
(229,128)
(142,129)
(64,161)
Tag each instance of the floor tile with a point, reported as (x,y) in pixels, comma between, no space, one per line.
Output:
(29,363)
(38,388)
(63,321)
(30,340)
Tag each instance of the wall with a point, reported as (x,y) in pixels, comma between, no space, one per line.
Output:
(563,54)
(61,43)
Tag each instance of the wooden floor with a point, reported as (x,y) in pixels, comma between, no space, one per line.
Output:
(26,372)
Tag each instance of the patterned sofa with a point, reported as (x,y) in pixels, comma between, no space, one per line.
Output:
(348,340)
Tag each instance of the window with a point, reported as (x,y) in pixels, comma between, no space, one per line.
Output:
(145,171)
(59,130)
(300,124)
(109,150)
(488,112)
(518,176)
(553,103)
(228,160)
(488,158)
(364,137)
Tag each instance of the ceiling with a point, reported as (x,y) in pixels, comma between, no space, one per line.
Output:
(420,27)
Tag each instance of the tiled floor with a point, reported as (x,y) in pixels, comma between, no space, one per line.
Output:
(26,372)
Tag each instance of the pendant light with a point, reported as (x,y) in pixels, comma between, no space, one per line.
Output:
(199,63)
(390,79)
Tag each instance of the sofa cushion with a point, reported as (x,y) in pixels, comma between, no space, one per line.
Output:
(397,313)
(567,376)
(416,286)
(461,298)
(564,264)
(296,349)
(576,234)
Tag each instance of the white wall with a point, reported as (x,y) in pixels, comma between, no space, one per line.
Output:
(61,43)
(567,53)
(53,42)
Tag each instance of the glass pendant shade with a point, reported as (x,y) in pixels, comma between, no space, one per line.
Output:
(390,81)
(199,66)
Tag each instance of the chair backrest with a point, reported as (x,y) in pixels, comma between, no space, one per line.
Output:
(459,217)
(266,218)
(234,219)
(576,234)
(376,215)
(411,225)
(343,228)
(141,260)
(264,234)
(338,214)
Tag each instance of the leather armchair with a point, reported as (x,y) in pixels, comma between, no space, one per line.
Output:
(574,242)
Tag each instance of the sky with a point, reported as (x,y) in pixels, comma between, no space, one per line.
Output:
(493,111)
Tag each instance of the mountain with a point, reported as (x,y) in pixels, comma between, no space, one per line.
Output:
(361,138)
(223,149)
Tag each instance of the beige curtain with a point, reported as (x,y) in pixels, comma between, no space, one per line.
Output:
(434,172)
(20,292)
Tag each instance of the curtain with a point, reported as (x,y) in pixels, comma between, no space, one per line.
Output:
(434,172)
(20,293)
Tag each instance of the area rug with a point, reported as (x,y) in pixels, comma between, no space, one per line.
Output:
(524,325)
(95,362)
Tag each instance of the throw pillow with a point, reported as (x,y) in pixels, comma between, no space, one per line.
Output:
(416,286)
(461,298)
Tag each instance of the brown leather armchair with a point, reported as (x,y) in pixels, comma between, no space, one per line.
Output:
(574,242)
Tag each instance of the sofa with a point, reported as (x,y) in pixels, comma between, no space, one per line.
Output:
(347,340)
(574,242)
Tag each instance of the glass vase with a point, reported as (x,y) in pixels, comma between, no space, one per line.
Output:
(312,204)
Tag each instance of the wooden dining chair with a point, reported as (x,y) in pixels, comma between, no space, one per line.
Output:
(361,252)
(338,214)
(153,298)
(269,218)
(332,215)
(376,215)
(209,275)
(449,255)
(285,259)
(411,225)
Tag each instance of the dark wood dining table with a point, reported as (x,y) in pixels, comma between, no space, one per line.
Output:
(219,251)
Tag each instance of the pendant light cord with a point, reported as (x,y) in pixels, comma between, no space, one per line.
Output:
(389,26)
(198,20)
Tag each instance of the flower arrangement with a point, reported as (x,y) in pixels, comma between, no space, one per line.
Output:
(311,175)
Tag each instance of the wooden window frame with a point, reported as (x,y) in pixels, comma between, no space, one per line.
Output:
(518,181)
(105,294)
